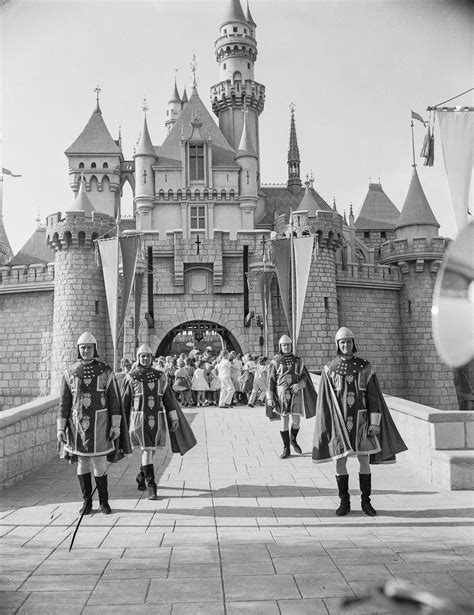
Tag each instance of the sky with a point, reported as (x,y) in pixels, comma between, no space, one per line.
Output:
(353,70)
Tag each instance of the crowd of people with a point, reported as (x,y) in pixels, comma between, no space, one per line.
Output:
(102,417)
(202,378)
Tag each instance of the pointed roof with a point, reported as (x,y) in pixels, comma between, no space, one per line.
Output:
(249,16)
(145,146)
(95,138)
(175,97)
(416,210)
(35,250)
(185,96)
(169,153)
(6,251)
(280,201)
(81,202)
(377,211)
(293,149)
(309,203)
(246,147)
(234,13)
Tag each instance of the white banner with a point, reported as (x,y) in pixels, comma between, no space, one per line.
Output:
(457,138)
(109,256)
(303,250)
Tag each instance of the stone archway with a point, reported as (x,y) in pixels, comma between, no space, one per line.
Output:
(198,334)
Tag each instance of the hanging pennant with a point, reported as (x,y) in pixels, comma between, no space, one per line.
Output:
(303,249)
(109,257)
(281,259)
(129,249)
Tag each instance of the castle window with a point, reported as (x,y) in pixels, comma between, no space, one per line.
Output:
(383,235)
(105,166)
(248,65)
(225,66)
(196,162)
(234,28)
(237,76)
(367,235)
(197,217)
(81,165)
(93,165)
(245,30)
(96,307)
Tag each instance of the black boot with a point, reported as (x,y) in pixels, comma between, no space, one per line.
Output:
(101,482)
(365,483)
(141,486)
(150,481)
(285,436)
(343,487)
(85,480)
(293,442)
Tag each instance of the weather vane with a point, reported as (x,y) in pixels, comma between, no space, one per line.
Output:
(97,91)
(144,105)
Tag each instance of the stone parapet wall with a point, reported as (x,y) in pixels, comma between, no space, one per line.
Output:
(27,438)
(402,248)
(368,274)
(25,278)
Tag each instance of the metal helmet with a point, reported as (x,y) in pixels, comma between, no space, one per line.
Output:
(284,339)
(343,334)
(87,338)
(144,349)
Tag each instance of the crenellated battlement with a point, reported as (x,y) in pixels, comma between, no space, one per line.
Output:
(26,278)
(368,275)
(225,94)
(76,229)
(405,250)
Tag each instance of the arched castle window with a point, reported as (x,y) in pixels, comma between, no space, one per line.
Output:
(93,165)
(206,193)
(227,49)
(197,195)
(81,165)
(170,194)
(236,49)
(55,241)
(231,194)
(188,193)
(81,238)
(161,194)
(223,194)
(105,184)
(93,184)
(105,166)
(237,76)
(67,239)
(179,194)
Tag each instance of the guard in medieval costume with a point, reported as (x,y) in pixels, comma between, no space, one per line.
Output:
(352,418)
(290,393)
(90,420)
(146,397)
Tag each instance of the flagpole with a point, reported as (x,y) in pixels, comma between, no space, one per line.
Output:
(292,283)
(265,307)
(413,143)
(116,332)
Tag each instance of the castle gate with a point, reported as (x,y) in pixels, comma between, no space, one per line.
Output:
(197,334)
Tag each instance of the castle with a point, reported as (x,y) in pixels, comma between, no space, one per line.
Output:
(206,219)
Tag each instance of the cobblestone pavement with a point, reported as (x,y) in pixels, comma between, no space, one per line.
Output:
(235,530)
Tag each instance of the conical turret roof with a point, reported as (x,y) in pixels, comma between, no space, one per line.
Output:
(246,147)
(416,210)
(234,12)
(309,203)
(81,202)
(175,97)
(377,211)
(145,146)
(185,96)
(95,138)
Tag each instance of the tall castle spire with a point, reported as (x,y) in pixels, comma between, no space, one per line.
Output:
(417,218)
(294,179)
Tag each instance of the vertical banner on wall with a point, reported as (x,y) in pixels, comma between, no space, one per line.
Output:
(108,249)
(282,261)
(137,293)
(129,248)
(303,248)
(457,140)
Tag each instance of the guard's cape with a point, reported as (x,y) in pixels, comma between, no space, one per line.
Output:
(303,402)
(183,439)
(331,440)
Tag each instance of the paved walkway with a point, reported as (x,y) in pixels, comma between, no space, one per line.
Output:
(236,530)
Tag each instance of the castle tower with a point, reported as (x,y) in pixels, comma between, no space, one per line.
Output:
(418,251)
(175,106)
(145,157)
(246,157)
(79,294)
(236,54)
(294,179)
(320,316)
(6,253)
(97,157)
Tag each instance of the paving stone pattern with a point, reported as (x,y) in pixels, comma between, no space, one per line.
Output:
(235,530)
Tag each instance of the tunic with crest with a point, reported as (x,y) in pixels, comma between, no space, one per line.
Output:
(285,371)
(146,396)
(353,383)
(89,397)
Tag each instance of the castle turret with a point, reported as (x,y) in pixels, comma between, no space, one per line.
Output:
(145,157)
(96,156)
(294,179)
(247,158)
(79,294)
(175,106)
(418,251)
(236,54)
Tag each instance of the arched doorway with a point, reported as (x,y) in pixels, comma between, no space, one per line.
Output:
(197,334)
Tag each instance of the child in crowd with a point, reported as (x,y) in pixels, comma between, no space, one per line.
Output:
(181,383)
(259,382)
(200,384)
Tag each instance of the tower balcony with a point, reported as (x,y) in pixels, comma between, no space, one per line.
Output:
(228,94)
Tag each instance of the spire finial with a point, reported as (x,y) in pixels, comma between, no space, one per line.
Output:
(311,178)
(144,105)
(97,92)
(120,135)
(38,217)
(351,211)
(193,65)
(292,108)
